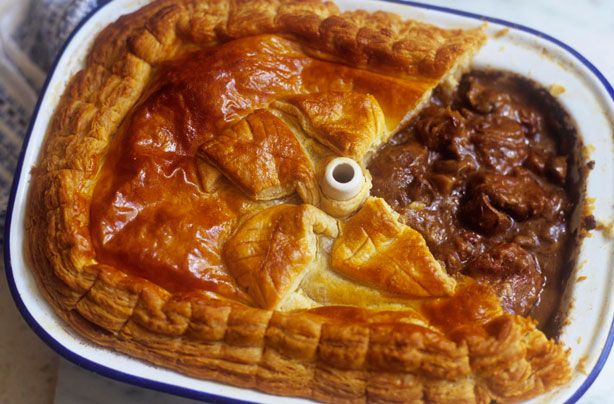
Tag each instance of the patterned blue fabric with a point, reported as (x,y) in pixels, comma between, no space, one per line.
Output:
(48,25)
(37,39)
(13,115)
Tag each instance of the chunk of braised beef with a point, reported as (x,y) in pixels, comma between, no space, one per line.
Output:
(512,272)
(500,144)
(519,195)
(485,99)
(532,122)
(443,130)
(433,226)
(462,248)
(399,173)
(458,168)
(449,175)
(536,161)
(479,214)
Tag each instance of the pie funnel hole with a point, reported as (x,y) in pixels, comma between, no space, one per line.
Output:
(344,173)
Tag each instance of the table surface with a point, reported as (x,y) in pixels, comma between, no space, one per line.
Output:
(31,373)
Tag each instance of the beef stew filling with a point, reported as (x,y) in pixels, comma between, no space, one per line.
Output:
(485,174)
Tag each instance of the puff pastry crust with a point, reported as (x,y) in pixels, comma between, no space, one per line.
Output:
(376,249)
(262,157)
(273,315)
(270,253)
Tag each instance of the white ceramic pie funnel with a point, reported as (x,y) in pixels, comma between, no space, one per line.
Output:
(588,98)
(343,179)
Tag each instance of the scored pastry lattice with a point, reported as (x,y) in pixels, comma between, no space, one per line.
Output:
(330,300)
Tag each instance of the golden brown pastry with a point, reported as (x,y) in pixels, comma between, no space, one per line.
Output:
(349,124)
(376,250)
(176,214)
(262,157)
(271,251)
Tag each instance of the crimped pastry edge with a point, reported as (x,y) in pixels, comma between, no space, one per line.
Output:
(282,353)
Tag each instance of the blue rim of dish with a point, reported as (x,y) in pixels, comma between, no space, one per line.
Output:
(199,395)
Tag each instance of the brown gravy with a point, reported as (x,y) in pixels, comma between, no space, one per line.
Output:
(488,175)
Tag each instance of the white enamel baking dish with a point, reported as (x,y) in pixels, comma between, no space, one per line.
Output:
(589,98)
